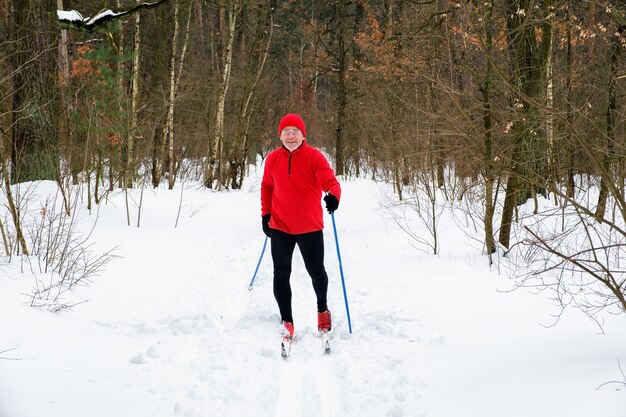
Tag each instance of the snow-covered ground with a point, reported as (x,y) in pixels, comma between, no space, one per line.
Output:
(170,328)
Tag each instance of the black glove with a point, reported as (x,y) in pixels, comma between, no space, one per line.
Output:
(265,222)
(331,202)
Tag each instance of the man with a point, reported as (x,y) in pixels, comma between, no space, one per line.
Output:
(295,176)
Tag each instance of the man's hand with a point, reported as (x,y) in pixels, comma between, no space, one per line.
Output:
(265,222)
(331,202)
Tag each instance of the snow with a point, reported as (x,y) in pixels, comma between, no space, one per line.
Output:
(101,15)
(74,16)
(69,16)
(169,328)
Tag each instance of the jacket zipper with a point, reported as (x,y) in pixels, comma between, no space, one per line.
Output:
(290,155)
(289,165)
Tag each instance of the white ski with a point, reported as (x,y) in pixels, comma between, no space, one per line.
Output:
(326,342)
(285,347)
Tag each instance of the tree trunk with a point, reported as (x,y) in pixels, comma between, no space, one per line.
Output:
(197,5)
(610,130)
(134,105)
(99,173)
(507,211)
(157,156)
(526,171)
(168,133)
(64,172)
(120,152)
(175,74)
(547,45)
(113,156)
(13,208)
(240,148)
(436,162)
(341,88)
(488,144)
(5,7)
(64,80)
(571,186)
(215,164)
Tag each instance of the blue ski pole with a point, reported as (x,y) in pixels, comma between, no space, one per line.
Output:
(257,266)
(343,283)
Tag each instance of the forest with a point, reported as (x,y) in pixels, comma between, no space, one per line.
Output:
(492,104)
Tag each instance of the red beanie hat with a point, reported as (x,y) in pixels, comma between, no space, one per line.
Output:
(294,120)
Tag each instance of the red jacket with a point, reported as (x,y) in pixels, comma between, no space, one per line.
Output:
(291,190)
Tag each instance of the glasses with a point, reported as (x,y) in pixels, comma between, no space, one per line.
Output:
(290,132)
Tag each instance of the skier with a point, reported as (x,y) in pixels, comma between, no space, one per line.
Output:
(294,178)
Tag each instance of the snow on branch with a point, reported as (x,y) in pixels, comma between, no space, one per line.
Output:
(74,20)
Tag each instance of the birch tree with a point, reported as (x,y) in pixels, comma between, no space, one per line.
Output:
(215,164)
(175,72)
(168,131)
(64,79)
(183,54)
(134,104)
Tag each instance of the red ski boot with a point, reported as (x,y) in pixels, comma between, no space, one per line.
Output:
(287,334)
(323,321)
(287,330)
(324,326)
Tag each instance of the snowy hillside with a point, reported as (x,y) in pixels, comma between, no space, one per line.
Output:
(170,329)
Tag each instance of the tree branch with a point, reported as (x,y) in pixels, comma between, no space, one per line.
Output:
(75,21)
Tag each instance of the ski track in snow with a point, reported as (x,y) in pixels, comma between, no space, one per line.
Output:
(308,383)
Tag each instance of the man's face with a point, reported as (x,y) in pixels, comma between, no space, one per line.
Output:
(291,137)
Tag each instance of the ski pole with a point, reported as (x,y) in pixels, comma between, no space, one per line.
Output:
(343,283)
(257,265)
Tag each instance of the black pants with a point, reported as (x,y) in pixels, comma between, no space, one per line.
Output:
(312,249)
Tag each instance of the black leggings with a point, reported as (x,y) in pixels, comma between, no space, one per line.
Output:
(312,249)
